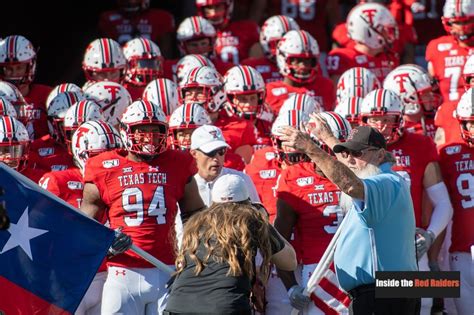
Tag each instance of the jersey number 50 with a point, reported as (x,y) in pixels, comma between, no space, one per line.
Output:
(132,201)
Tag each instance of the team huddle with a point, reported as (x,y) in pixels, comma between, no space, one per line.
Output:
(139,143)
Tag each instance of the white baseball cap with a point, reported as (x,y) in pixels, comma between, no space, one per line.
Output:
(229,188)
(208,138)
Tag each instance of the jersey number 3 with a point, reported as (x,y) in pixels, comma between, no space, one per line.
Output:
(132,201)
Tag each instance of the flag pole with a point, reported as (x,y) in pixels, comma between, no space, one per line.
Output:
(151,259)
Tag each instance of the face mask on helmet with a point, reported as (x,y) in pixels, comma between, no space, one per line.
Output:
(246,106)
(462,28)
(17,60)
(302,69)
(144,70)
(14,143)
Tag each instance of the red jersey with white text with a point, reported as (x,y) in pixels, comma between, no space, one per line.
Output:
(237,132)
(264,170)
(457,166)
(48,154)
(37,124)
(151,24)
(67,185)
(413,152)
(448,58)
(445,119)
(267,68)
(417,127)
(233,43)
(341,59)
(315,200)
(142,198)
(311,16)
(321,89)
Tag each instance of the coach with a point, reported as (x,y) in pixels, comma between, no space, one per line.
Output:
(378,233)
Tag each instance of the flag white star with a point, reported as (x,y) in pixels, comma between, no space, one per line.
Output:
(21,234)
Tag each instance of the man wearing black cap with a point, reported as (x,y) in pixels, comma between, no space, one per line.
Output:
(378,233)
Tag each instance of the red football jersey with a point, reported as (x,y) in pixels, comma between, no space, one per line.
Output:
(411,165)
(236,131)
(234,161)
(315,200)
(151,24)
(36,110)
(47,154)
(445,119)
(322,89)
(136,92)
(265,67)
(67,185)
(233,43)
(311,16)
(34,174)
(264,170)
(142,198)
(341,59)
(263,130)
(448,58)
(457,166)
(417,127)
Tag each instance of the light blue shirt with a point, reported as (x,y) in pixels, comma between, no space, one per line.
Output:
(378,233)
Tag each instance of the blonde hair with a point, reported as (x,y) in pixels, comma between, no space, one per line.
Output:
(229,232)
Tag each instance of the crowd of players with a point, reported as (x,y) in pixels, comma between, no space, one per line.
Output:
(120,147)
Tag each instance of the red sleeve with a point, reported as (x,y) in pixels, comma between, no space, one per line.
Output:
(339,35)
(431,151)
(338,62)
(249,135)
(430,51)
(285,191)
(50,183)
(234,161)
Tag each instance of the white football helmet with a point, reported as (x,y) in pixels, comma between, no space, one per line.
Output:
(414,86)
(144,144)
(302,102)
(112,98)
(187,116)
(373,25)
(193,28)
(11,93)
(162,92)
(61,88)
(298,44)
(102,56)
(379,103)
(216,19)
(57,111)
(273,29)
(92,138)
(356,82)
(464,113)
(190,62)
(78,114)
(6,108)
(14,50)
(14,143)
(244,80)
(468,72)
(292,118)
(349,108)
(340,128)
(144,59)
(210,81)
(460,12)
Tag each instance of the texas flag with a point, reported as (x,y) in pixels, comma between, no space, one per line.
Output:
(50,253)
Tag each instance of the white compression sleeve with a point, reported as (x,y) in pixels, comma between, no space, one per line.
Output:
(443,210)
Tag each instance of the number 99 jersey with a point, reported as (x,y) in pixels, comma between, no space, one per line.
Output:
(457,167)
(142,198)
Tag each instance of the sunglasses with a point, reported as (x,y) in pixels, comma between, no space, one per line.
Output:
(357,154)
(221,152)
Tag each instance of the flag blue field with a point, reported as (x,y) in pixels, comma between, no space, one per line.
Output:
(50,253)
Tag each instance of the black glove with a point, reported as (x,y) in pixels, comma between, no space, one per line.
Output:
(297,299)
(122,243)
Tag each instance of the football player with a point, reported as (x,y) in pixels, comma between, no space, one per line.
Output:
(456,165)
(272,31)
(373,29)
(139,188)
(162,92)
(308,203)
(18,67)
(383,110)
(234,38)
(297,60)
